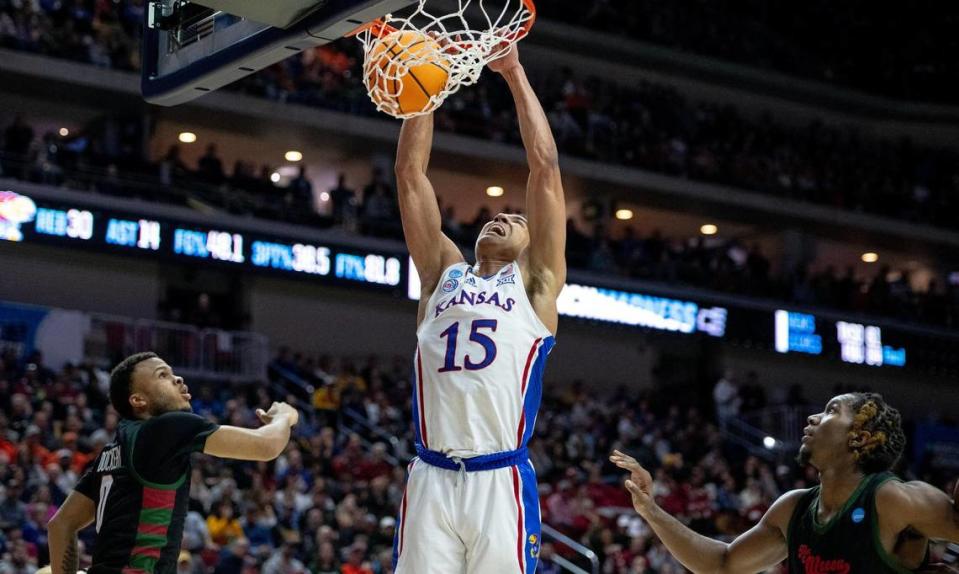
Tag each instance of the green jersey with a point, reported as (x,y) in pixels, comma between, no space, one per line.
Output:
(140,484)
(849,543)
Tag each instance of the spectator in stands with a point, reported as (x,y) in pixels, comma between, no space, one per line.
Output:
(726,398)
(172,169)
(223,526)
(236,559)
(187,565)
(18,560)
(452,226)
(210,166)
(325,561)
(17,139)
(379,216)
(284,562)
(356,562)
(300,195)
(344,202)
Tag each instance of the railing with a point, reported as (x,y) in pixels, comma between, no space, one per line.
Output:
(754,440)
(397,447)
(292,380)
(309,424)
(147,185)
(768,433)
(783,422)
(589,555)
(209,353)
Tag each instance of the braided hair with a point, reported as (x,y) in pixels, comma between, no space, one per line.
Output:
(876,438)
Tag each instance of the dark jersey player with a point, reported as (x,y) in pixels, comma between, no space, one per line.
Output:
(861,519)
(137,489)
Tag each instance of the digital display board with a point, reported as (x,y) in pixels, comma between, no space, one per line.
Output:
(32,220)
(72,223)
(862,344)
(856,343)
(796,333)
(626,308)
(641,310)
(143,233)
(833,339)
(780,330)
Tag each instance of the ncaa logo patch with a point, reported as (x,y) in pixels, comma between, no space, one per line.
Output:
(450,285)
(456,274)
(858,515)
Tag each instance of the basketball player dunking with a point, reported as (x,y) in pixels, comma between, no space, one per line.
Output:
(861,519)
(484,332)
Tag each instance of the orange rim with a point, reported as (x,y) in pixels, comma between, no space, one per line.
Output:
(379,28)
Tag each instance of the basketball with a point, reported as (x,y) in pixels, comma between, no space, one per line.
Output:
(404,70)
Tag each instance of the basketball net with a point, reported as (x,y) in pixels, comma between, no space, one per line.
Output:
(462,42)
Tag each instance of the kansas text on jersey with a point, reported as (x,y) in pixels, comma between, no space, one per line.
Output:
(479,364)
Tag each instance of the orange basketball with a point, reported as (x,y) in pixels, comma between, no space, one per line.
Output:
(416,54)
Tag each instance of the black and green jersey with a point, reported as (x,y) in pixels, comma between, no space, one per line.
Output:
(849,543)
(140,484)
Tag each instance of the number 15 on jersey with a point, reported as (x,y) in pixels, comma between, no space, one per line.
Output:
(479,335)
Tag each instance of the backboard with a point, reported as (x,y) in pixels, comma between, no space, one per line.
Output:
(192,48)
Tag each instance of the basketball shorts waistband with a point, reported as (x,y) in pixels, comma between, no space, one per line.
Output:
(480,463)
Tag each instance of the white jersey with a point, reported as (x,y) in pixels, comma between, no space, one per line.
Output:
(479,364)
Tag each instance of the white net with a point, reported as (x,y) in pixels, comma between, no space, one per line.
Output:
(412,63)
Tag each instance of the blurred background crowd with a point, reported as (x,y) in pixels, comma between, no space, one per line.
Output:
(328,504)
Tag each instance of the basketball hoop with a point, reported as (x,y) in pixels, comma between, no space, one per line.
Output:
(435,55)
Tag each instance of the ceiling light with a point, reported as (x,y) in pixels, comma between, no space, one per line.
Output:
(187,137)
(275,177)
(293,155)
(64,132)
(870,257)
(494,191)
(624,214)
(325,196)
(709,229)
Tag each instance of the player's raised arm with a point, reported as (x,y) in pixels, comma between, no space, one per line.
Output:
(545,201)
(262,444)
(758,549)
(432,251)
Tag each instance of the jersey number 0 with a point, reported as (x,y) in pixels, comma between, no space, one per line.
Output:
(105,484)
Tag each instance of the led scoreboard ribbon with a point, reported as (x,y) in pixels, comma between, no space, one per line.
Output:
(857,343)
(319,260)
(21,219)
(30,220)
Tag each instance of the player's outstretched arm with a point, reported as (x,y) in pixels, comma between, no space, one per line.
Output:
(758,549)
(545,201)
(262,444)
(432,251)
(73,516)
(919,506)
